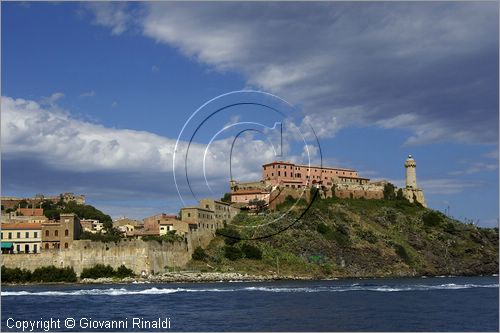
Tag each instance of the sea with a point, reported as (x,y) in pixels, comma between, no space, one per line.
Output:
(403,304)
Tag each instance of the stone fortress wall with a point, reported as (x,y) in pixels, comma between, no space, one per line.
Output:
(142,257)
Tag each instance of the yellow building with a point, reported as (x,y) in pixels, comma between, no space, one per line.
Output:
(223,211)
(180,227)
(25,237)
(202,217)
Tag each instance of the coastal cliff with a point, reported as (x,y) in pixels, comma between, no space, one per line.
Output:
(357,238)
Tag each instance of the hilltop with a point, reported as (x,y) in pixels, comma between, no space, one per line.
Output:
(355,238)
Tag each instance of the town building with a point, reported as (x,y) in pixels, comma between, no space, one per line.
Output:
(332,181)
(21,237)
(180,227)
(297,176)
(153,222)
(61,234)
(38,199)
(202,218)
(244,196)
(223,211)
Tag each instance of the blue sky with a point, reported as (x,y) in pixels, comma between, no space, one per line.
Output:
(94,95)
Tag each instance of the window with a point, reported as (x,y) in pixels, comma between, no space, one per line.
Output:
(2,235)
(19,235)
(56,233)
(279,173)
(66,232)
(46,246)
(65,245)
(35,234)
(189,214)
(35,248)
(18,248)
(285,173)
(46,233)
(206,206)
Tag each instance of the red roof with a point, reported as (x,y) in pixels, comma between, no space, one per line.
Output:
(12,226)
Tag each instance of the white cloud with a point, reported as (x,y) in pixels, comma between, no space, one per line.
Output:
(113,15)
(54,137)
(52,99)
(476,167)
(409,69)
(90,93)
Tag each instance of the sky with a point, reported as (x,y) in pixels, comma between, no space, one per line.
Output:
(97,96)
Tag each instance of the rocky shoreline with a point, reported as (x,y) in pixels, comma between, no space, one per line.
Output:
(195,277)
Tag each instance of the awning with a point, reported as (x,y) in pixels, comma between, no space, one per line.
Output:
(7,245)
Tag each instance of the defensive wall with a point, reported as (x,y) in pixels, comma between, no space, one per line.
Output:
(140,256)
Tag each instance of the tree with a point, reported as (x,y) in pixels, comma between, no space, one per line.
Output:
(232,252)
(199,254)
(251,252)
(23,204)
(226,197)
(232,236)
(389,191)
(399,195)
(259,204)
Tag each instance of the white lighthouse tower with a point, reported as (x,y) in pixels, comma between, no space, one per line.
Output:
(411,173)
(412,192)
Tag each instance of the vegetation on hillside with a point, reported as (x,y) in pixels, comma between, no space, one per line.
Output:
(353,237)
(53,210)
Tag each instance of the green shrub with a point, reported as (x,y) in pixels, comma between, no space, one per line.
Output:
(432,219)
(123,272)
(402,253)
(42,274)
(112,235)
(341,235)
(368,236)
(231,235)
(98,271)
(323,228)
(389,192)
(15,275)
(251,252)
(199,254)
(170,237)
(232,252)
(53,274)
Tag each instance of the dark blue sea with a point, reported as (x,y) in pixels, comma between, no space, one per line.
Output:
(409,304)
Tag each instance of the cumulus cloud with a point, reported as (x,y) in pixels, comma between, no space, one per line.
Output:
(428,67)
(114,15)
(45,137)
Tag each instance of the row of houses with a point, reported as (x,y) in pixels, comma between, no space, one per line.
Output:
(27,230)
(209,215)
(30,237)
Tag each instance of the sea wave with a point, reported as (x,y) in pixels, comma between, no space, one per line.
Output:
(291,289)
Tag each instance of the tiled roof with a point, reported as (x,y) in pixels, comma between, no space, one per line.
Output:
(13,226)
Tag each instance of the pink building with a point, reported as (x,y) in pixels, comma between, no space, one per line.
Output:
(297,176)
(245,196)
(152,223)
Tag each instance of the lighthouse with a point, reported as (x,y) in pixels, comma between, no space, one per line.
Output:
(411,173)
(412,192)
